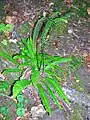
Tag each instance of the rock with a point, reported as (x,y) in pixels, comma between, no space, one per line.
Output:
(37,111)
(56,115)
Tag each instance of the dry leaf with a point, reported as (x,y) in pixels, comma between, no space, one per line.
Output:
(11,19)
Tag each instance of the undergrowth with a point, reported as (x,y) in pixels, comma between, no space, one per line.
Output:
(43,66)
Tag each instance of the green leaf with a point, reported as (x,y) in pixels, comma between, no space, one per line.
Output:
(37,28)
(2,27)
(20,57)
(20,98)
(30,47)
(5,28)
(35,76)
(55,15)
(46,29)
(24,42)
(58,68)
(44,98)
(57,88)
(20,112)
(19,86)
(60,20)
(9,70)
(7,56)
(57,61)
(53,97)
(4,85)
(50,72)
(9,27)
(3,110)
(25,64)
(19,105)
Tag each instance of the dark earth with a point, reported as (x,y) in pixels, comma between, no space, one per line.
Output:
(71,38)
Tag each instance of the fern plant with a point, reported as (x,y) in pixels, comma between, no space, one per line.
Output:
(42,65)
(39,76)
(42,76)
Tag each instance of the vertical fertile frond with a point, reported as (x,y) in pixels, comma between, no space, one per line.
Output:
(46,29)
(37,28)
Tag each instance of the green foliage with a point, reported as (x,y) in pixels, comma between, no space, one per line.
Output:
(3,110)
(7,56)
(3,86)
(75,63)
(37,27)
(44,98)
(9,70)
(36,77)
(20,112)
(57,88)
(20,98)
(20,106)
(40,64)
(44,25)
(53,97)
(5,28)
(19,86)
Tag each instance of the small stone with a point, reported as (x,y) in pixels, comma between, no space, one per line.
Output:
(37,111)
(70,31)
(44,14)
(79,22)
(11,19)
(85,53)
(88,11)
(13,41)
(50,4)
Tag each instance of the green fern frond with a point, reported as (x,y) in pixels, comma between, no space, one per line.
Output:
(75,63)
(20,56)
(35,77)
(60,20)
(38,27)
(10,70)
(44,98)
(7,56)
(19,86)
(25,64)
(54,15)
(53,97)
(57,88)
(46,30)
(58,61)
